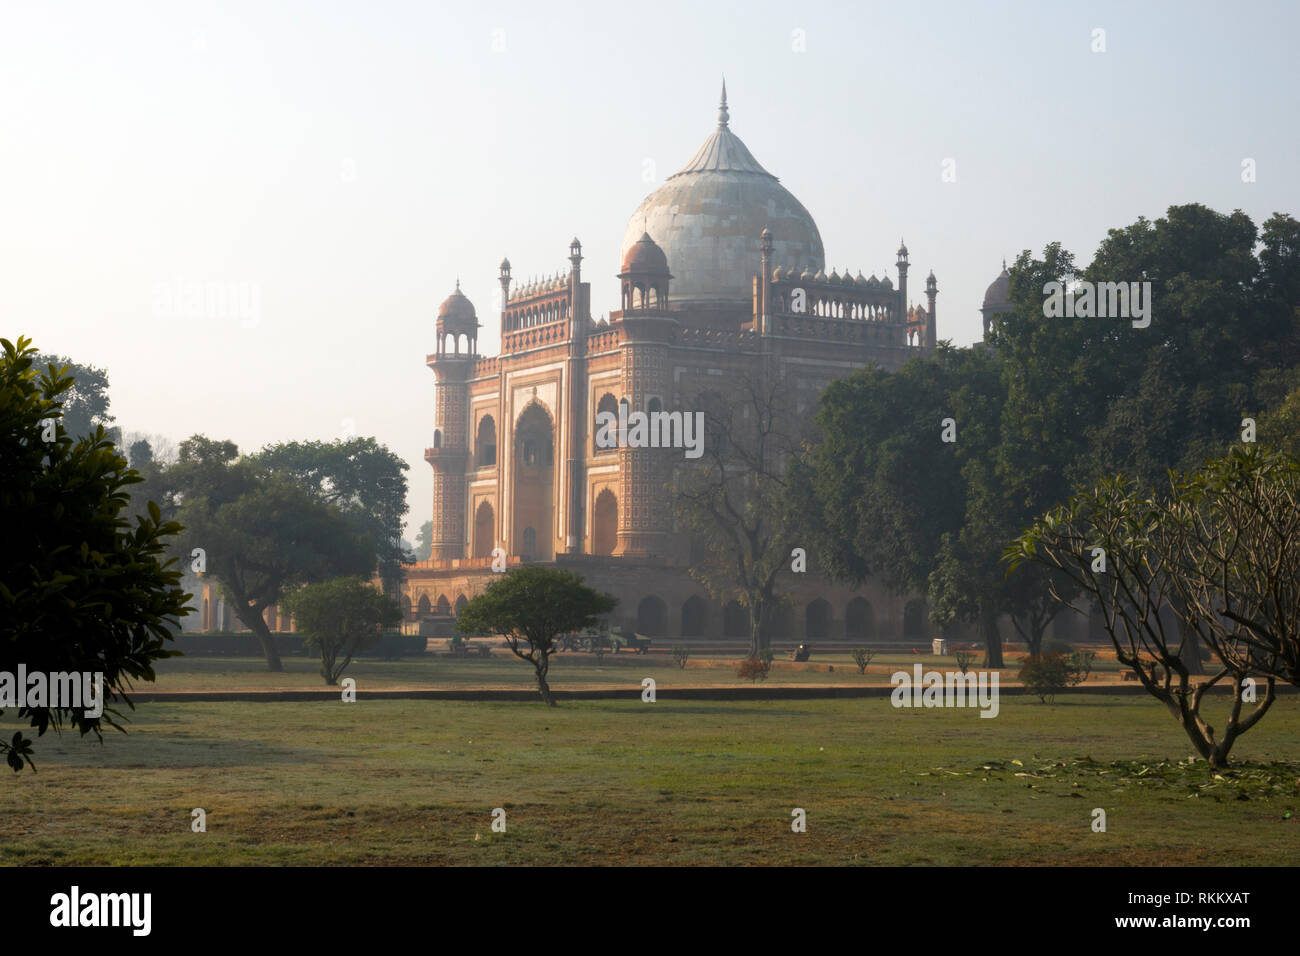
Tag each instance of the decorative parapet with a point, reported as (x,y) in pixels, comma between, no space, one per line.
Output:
(528,338)
(834,297)
(603,339)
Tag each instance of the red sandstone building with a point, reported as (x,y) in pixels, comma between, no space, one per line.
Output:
(721,265)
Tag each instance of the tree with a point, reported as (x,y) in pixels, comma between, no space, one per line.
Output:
(531,606)
(735,501)
(424,542)
(1218,548)
(141,454)
(81,591)
(364,480)
(339,618)
(85,404)
(890,496)
(261,533)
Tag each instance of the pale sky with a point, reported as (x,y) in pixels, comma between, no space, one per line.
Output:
(333,167)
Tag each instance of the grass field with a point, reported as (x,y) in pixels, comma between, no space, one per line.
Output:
(614,782)
(568,671)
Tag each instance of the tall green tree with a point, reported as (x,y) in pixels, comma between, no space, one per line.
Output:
(82,590)
(361,478)
(903,483)
(85,404)
(424,542)
(260,533)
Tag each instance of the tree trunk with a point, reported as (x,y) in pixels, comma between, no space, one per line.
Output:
(542,665)
(252,619)
(759,639)
(1189,651)
(992,637)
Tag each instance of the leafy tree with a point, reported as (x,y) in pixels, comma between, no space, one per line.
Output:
(891,497)
(735,501)
(532,606)
(261,533)
(140,454)
(81,591)
(340,618)
(424,542)
(1218,548)
(85,404)
(361,478)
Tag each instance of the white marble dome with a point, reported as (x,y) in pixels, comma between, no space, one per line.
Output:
(708,217)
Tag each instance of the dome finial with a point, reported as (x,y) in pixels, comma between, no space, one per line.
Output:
(723,115)
(457,283)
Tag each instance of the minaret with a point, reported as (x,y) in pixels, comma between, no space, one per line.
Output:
(450,452)
(902,279)
(931,328)
(504,279)
(764,282)
(644,518)
(575,381)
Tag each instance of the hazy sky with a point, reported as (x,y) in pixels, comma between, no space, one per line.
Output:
(329,169)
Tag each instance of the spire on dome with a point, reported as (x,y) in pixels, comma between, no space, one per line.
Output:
(723,115)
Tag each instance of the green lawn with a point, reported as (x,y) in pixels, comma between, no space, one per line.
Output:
(407,782)
(568,671)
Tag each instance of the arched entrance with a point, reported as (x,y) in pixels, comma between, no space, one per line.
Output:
(859,620)
(817,620)
(652,617)
(604,525)
(485,524)
(534,480)
(486,442)
(694,616)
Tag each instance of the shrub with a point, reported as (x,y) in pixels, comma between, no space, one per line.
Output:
(1081,664)
(681,654)
(1048,674)
(753,669)
(862,657)
(964,658)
